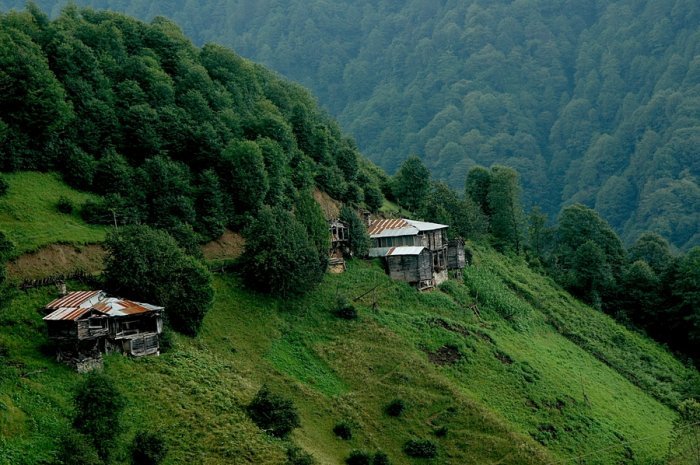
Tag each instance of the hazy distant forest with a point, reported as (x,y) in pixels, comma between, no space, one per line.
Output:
(594,102)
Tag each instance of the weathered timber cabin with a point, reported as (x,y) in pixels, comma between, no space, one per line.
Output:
(455,254)
(85,324)
(414,251)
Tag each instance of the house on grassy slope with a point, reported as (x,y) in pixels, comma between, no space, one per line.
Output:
(86,324)
(340,245)
(414,251)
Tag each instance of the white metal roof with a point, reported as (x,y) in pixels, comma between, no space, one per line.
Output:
(395,251)
(404,250)
(401,227)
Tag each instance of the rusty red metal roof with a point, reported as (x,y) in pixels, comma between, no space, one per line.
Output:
(69,314)
(378,226)
(74,299)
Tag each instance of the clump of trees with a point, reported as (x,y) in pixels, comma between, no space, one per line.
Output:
(280,258)
(148,265)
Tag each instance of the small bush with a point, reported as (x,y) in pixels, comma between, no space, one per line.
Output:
(76,449)
(297,456)
(4,186)
(65,205)
(343,430)
(441,432)
(148,449)
(420,448)
(359,457)
(395,408)
(345,310)
(380,458)
(273,413)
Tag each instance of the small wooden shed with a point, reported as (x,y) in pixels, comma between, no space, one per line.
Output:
(85,324)
(455,254)
(410,263)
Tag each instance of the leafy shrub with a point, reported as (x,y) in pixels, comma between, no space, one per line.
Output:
(344,309)
(148,449)
(4,186)
(273,413)
(98,405)
(395,408)
(343,430)
(441,432)
(380,458)
(420,448)
(297,456)
(76,449)
(65,205)
(147,265)
(359,457)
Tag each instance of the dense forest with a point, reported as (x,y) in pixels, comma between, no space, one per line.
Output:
(592,102)
(171,135)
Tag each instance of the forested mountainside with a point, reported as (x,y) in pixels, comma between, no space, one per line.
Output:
(594,102)
(169,134)
(266,358)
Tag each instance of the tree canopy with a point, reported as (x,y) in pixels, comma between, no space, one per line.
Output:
(148,265)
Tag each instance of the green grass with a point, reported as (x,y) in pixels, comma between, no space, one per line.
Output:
(539,377)
(28,213)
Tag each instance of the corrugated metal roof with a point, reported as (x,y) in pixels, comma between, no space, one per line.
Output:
(404,250)
(378,251)
(74,305)
(377,226)
(113,306)
(425,226)
(74,300)
(397,227)
(68,314)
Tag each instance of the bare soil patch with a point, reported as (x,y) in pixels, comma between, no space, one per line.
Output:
(329,207)
(230,245)
(57,259)
(445,355)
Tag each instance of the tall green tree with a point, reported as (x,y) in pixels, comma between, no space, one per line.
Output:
(412,184)
(309,213)
(279,258)
(98,409)
(359,238)
(506,210)
(477,187)
(148,265)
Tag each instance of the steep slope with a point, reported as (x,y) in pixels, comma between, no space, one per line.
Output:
(511,368)
(594,103)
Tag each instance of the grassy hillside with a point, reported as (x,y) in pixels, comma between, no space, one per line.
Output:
(552,372)
(30,218)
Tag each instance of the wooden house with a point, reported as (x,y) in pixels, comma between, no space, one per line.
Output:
(407,245)
(134,327)
(455,254)
(340,245)
(85,324)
